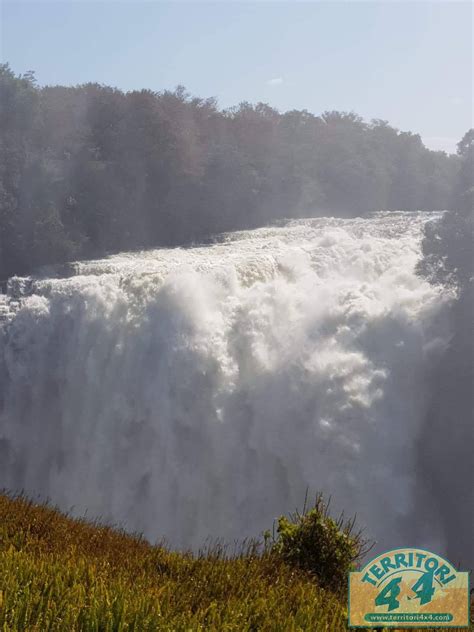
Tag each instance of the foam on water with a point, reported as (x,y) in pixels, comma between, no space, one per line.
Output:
(194,392)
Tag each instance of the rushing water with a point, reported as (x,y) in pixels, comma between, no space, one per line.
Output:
(199,392)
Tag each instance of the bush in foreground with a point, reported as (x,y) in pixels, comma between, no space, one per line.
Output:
(314,542)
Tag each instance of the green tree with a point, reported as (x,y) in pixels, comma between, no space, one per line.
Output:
(448,258)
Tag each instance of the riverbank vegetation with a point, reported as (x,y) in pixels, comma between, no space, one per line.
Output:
(89,169)
(448,258)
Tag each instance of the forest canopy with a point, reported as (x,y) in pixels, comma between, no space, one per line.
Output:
(90,169)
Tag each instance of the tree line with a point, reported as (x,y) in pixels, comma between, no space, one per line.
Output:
(90,169)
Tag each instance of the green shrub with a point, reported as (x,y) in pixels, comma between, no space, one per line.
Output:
(316,543)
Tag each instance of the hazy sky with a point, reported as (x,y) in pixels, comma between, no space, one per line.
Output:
(407,62)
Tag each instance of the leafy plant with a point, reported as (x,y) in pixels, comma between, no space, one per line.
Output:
(315,542)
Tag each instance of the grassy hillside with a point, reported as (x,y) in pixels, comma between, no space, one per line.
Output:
(57,573)
(62,574)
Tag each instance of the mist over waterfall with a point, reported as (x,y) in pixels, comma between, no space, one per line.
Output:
(195,392)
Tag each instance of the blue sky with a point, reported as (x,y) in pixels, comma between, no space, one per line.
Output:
(407,62)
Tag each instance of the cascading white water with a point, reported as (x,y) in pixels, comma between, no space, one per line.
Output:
(199,392)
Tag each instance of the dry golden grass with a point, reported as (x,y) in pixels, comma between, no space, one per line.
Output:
(57,573)
(62,574)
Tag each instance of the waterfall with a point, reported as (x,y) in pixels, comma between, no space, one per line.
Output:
(195,392)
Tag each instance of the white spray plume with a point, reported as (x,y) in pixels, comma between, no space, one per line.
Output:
(199,392)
